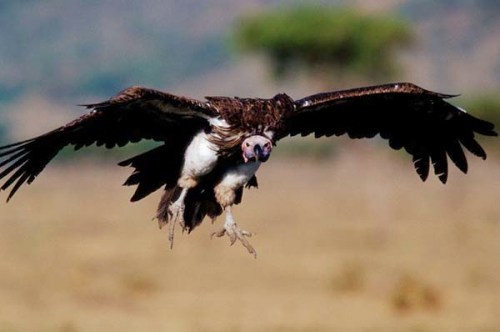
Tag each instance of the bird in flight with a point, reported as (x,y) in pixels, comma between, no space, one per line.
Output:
(210,150)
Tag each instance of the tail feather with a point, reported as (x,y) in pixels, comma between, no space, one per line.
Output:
(154,169)
(169,195)
(200,203)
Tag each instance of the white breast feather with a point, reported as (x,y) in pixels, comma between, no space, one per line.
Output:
(239,175)
(219,122)
(200,156)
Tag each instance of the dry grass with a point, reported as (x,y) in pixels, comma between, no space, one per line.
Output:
(341,248)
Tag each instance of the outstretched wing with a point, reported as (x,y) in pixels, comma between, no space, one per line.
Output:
(133,114)
(410,117)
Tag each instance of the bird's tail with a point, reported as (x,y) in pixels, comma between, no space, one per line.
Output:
(199,203)
(153,169)
(169,196)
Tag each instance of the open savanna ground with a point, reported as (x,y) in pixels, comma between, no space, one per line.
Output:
(353,243)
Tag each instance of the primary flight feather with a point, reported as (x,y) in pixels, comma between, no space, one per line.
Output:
(212,149)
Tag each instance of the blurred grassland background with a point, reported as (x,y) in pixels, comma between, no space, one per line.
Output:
(348,238)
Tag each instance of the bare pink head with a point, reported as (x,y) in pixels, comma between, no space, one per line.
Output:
(256,148)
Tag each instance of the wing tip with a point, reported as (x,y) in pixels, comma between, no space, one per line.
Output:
(409,87)
(443,177)
(423,176)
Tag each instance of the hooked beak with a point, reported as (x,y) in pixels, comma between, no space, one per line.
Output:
(256,148)
(259,153)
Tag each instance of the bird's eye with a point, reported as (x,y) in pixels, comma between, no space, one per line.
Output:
(247,144)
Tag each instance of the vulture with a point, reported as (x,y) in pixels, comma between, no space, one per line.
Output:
(210,150)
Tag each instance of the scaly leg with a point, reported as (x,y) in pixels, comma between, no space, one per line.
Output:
(235,233)
(176,214)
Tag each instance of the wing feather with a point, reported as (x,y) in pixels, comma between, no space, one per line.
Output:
(457,156)
(421,163)
(420,121)
(133,114)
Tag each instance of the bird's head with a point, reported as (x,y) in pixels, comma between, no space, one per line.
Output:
(256,148)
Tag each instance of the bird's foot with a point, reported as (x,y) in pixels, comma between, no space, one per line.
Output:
(175,215)
(232,230)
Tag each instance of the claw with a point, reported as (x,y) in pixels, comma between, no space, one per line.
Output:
(219,233)
(232,238)
(245,233)
(234,233)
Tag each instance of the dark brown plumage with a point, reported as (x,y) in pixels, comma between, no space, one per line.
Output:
(419,121)
(211,149)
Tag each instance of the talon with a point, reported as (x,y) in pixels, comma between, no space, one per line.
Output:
(246,233)
(232,238)
(234,233)
(252,251)
(219,233)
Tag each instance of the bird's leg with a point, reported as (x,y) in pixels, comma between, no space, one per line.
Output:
(234,232)
(176,214)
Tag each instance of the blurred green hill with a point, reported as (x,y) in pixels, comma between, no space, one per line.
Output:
(76,51)
(69,48)
(74,48)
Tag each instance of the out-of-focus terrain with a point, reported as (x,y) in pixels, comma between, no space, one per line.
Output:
(348,238)
(340,248)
